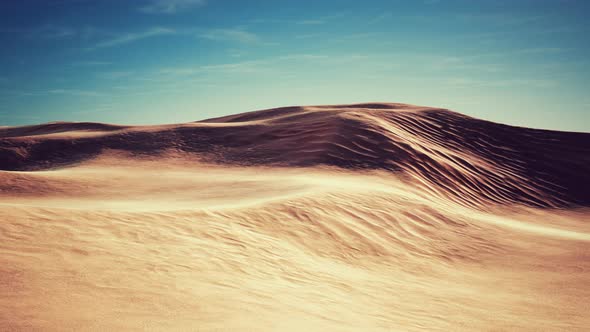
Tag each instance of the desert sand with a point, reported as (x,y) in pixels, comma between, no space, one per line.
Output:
(367,217)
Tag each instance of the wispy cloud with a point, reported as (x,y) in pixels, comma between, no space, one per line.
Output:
(230,35)
(454,63)
(170,6)
(500,83)
(113,75)
(311,22)
(237,67)
(507,19)
(175,71)
(543,50)
(483,62)
(356,36)
(56,31)
(300,21)
(52,31)
(237,53)
(71,92)
(127,38)
(96,109)
(501,19)
(381,17)
(309,35)
(257,66)
(90,63)
(234,67)
(303,57)
(17,93)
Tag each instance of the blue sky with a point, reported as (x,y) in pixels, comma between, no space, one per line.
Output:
(521,62)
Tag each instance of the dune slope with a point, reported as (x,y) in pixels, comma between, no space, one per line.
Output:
(372,217)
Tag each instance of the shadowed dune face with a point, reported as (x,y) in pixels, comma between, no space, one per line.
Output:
(473,161)
(368,217)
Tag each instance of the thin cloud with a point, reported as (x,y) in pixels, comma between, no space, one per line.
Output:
(70,92)
(238,67)
(181,71)
(113,75)
(51,31)
(97,109)
(501,19)
(55,31)
(127,38)
(234,35)
(237,53)
(254,66)
(500,83)
(83,93)
(20,93)
(303,57)
(310,22)
(381,17)
(309,35)
(230,35)
(543,50)
(461,63)
(356,36)
(170,6)
(302,21)
(468,61)
(91,63)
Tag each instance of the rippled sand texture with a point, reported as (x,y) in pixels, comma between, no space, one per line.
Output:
(371,217)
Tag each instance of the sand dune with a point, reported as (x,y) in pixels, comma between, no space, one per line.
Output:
(473,161)
(367,217)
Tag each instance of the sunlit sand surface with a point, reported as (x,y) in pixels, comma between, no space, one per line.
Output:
(377,217)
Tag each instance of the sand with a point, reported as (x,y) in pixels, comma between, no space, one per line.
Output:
(368,217)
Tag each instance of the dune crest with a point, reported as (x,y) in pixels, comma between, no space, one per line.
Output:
(473,161)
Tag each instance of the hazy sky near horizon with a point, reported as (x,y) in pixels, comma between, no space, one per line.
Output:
(520,62)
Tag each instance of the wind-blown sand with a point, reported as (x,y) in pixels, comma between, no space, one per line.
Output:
(370,217)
